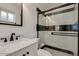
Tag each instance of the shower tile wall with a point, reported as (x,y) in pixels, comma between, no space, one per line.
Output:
(65,42)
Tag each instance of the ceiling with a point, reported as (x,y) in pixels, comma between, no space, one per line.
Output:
(46,6)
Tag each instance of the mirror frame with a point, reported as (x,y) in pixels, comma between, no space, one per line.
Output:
(21,22)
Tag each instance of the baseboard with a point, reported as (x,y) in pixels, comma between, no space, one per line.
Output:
(58,49)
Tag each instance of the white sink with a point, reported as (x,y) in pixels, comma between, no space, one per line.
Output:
(10,47)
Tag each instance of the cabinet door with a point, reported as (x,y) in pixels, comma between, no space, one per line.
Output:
(27,51)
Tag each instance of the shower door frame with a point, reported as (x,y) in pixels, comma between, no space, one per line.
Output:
(42,12)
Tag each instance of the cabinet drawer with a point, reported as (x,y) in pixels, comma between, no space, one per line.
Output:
(27,51)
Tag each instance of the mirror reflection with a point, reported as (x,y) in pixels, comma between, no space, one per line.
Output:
(10,13)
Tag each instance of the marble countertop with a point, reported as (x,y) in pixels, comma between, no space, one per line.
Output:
(11,47)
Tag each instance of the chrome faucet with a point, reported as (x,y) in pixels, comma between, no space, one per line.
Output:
(12,37)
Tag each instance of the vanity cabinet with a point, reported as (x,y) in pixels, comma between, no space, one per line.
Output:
(30,50)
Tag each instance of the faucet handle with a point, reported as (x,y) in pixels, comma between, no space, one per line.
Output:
(17,37)
(2,38)
(5,39)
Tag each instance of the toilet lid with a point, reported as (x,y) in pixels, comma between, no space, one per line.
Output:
(42,52)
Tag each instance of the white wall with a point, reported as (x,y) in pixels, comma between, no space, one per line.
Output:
(29,24)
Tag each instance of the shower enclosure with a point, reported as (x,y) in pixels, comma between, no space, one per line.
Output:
(57,28)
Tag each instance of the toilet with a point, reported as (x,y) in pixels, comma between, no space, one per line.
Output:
(42,52)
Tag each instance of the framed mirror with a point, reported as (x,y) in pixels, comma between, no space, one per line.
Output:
(11,14)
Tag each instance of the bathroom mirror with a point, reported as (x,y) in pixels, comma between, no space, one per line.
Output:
(11,14)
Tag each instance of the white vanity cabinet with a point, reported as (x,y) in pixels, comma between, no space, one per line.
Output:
(30,50)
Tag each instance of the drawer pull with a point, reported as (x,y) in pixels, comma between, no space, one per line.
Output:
(23,55)
(27,52)
(52,33)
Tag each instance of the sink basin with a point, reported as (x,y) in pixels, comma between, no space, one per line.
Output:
(10,47)
(2,44)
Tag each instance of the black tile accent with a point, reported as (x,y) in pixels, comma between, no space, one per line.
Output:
(53,28)
(58,49)
(45,28)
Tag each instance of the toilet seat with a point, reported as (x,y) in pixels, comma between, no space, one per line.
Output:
(42,52)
